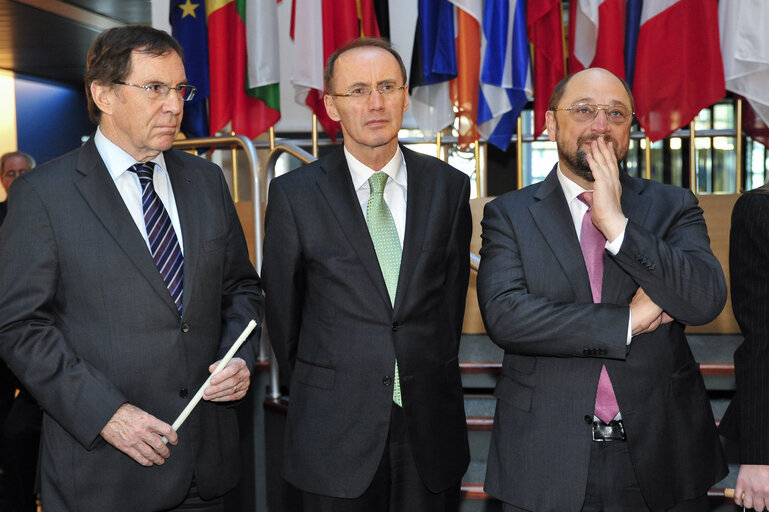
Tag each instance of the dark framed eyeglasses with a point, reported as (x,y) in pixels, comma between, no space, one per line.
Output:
(157,91)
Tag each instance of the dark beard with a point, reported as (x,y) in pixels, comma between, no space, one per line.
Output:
(577,161)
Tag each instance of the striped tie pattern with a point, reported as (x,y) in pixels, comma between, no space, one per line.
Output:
(387,244)
(164,245)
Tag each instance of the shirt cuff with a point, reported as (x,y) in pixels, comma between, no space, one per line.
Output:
(614,246)
(629,327)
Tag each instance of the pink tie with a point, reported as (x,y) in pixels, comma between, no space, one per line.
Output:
(593,245)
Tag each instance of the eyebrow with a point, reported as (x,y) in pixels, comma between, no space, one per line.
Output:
(367,84)
(591,100)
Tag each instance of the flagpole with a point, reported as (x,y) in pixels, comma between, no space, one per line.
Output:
(564,42)
(272,137)
(314,135)
(738,147)
(519,152)
(647,157)
(479,181)
(438,144)
(235,185)
(692,157)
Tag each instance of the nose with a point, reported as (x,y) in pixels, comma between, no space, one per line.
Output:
(601,121)
(376,99)
(173,102)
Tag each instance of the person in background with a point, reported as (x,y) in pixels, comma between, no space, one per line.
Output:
(12,165)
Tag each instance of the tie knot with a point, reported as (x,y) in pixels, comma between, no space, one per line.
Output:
(587,198)
(377,182)
(144,170)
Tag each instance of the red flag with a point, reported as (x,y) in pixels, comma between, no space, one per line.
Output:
(544,22)
(341,22)
(228,65)
(597,35)
(679,70)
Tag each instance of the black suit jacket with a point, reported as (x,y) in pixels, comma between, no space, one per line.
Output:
(534,294)
(336,334)
(87,324)
(747,418)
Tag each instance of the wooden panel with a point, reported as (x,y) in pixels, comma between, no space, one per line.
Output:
(473,324)
(717,210)
(718,216)
(245,211)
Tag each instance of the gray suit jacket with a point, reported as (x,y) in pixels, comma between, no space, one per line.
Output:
(534,294)
(87,324)
(336,334)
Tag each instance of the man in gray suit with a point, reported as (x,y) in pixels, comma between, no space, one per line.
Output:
(366,266)
(125,278)
(587,281)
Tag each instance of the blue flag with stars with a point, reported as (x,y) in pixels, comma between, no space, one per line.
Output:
(188,26)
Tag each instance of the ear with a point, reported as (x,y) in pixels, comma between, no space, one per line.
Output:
(406,97)
(331,108)
(103,96)
(550,124)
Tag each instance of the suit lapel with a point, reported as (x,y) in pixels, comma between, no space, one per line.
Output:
(336,185)
(616,280)
(419,197)
(99,191)
(185,188)
(553,218)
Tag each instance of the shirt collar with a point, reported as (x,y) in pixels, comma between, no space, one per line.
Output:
(395,169)
(116,159)
(570,189)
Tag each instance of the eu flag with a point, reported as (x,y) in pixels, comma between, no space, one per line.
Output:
(188,26)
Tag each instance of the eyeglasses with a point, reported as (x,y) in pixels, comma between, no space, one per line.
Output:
(365,91)
(157,91)
(13,174)
(586,112)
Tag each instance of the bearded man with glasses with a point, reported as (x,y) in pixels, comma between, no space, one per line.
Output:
(125,278)
(587,281)
(366,266)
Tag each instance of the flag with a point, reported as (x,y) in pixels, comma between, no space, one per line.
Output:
(433,64)
(596,35)
(745,50)
(227,54)
(188,26)
(261,18)
(505,84)
(679,70)
(341,21)
(632,26)
(464,88)
(544,25)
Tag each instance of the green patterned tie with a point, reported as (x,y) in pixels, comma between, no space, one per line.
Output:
(388,248)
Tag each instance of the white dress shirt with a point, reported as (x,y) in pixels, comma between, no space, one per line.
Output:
(395,188)
(127,182)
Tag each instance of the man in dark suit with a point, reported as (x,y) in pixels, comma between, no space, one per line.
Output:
(601,405)
(12,165)
(366,264)
(747,418)
(131,280)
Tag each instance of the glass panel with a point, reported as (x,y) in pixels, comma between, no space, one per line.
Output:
(704,165)
(724,165)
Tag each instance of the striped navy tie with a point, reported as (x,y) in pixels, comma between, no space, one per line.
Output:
(163,242)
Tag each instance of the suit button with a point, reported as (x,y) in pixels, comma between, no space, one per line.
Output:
(588,418)
(395,326)
(387,380)
(585,351)
(183,393)
(185,327)
(652,266)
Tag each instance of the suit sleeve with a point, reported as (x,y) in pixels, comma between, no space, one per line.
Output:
(459,257)
(283,279)
(749,268)
(525,323)
(72,391)
(677,269)
(242,299)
